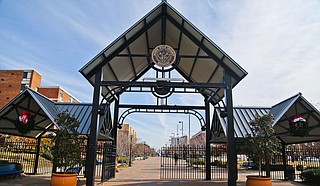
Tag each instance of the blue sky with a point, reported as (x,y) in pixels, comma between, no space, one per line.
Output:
(276,42)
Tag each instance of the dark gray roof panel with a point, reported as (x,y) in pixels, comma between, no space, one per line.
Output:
(242,118)
(82,113)
(279,109)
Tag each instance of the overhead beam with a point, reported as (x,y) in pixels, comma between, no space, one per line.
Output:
(162,84)
(163,107)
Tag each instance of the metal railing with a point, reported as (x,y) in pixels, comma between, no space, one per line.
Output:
(183,162)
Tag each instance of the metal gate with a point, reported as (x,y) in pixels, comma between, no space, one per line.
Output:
(109,162)
(183,162)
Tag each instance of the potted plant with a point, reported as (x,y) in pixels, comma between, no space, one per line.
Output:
(67,149)
(261,146)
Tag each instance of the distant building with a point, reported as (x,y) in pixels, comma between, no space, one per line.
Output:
(179,141)
(199,139)
(126,136)
(57,94)
(12,82)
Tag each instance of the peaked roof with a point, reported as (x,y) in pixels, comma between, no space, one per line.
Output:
(242,118)
(199,59)
(283,113)
(44,112)
(39,106)
(286,110)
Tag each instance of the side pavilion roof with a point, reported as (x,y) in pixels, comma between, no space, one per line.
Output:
(283,113)
(44,112)
(199,60)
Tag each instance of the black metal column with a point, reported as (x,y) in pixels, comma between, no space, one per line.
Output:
(284,160)
(36,163)
(92,145)
(115,126)
(231,146)
(208,136)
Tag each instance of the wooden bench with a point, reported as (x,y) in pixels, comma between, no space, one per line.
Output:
(9,169)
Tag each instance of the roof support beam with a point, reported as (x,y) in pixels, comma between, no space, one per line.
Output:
(204,48)
(114,74)
(123,46)
(214,71)
(163,27)
(131,60)
(195,59)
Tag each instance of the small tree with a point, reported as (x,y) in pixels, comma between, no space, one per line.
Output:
(262,144)
(67,148)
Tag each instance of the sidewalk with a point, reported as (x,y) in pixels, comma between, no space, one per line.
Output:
(143,172)
(147,172)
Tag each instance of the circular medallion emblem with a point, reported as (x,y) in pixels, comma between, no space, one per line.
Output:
(163,55)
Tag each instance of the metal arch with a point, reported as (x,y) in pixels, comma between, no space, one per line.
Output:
(162,110)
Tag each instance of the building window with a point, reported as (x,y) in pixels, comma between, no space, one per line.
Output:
(23,86)
(7,97)
(71,100)
(61,95)
(25,75)
(10,85)
(2,79)
(12,73)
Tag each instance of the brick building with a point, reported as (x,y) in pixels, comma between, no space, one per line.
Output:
(57,94)
(12,82)
(124,139)
(199,139)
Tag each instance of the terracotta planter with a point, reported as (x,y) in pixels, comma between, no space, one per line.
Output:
(63,179)
(258,181)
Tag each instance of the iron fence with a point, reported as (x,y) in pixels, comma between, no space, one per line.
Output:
(25,154)
(298,158)
(184,162)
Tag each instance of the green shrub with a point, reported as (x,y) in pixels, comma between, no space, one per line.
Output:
(222,164)
(122,159)
(4,161)
(47,155)
(197,161)
(215,163)
(277,167)
(299,167)
(311,176)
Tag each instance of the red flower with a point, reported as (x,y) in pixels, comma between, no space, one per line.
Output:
(24,116)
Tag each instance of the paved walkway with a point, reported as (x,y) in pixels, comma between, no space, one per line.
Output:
(147,172)
(144,173)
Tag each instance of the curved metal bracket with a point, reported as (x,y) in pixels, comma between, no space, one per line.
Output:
(162,110)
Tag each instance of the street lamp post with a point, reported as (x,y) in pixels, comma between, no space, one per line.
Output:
(144,149)
(181,122)
(130,156)
(173,139)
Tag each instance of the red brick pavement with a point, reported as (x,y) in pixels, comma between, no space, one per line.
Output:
(144,173)
(147,172)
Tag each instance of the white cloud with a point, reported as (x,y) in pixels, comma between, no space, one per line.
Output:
(276,42)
